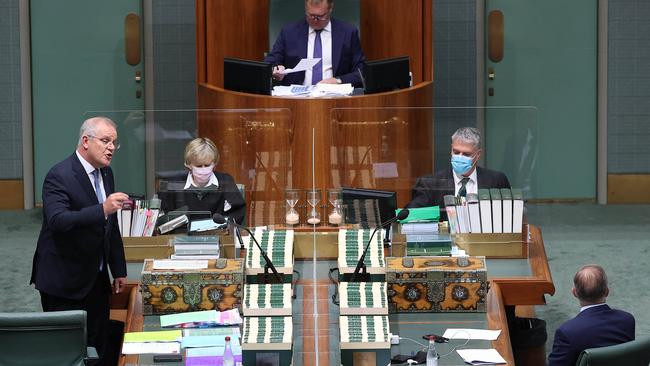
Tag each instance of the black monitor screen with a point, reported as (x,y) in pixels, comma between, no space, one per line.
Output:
(386,75)
(368,207)
(247,76)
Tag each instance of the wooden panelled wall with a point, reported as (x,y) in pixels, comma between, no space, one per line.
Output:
(226,28)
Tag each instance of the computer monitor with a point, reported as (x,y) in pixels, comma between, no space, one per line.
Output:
(247,76)
(368,207)
(386,75)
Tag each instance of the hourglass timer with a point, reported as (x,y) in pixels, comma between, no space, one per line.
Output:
(291,216)
(336,215)
(313,199)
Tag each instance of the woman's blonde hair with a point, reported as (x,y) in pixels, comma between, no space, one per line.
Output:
(200,151)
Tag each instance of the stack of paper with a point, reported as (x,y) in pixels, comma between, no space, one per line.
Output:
(331,90)
(205,318)
(481,356)
(159,342)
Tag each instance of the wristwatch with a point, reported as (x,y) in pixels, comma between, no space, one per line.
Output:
(338,81)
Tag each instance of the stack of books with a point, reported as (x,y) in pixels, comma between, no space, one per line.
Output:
(490,211)
(195,247)
(422,235)
(138,217)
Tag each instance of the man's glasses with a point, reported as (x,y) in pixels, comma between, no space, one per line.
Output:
(106,142)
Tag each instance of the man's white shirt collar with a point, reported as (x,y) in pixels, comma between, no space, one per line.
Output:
(87,167)
(211,182)
(590,306)
(328,27)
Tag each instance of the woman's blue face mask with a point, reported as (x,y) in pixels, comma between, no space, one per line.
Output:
(461,164)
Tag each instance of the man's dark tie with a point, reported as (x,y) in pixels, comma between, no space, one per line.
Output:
(98,190)
(463,189)
(317,70)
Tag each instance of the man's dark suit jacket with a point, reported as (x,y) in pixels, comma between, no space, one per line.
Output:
(429,190)
(205,199)
(347,56)
(599,326)
(75,235)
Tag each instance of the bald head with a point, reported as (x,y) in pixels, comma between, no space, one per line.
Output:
(590,285)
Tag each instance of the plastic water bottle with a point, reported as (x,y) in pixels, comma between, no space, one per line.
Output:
(432,355)
(229,359)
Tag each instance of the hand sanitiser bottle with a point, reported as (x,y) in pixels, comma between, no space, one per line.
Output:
(432,355)
(229,359)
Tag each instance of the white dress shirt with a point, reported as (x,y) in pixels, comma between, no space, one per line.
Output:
(471,186)
(89,171)
(326,42)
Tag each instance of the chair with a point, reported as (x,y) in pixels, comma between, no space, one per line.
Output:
(49,338)
(633,353)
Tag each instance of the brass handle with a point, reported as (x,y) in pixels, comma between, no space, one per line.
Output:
(132,39)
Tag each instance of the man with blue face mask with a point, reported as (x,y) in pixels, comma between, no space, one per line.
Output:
(462,177)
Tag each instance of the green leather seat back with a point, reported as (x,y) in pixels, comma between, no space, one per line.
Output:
(52,338)
(636,352)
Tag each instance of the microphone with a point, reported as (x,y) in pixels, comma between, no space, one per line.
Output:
(361,266)
(276,278)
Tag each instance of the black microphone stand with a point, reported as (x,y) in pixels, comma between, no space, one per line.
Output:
(268,265)
(361,265)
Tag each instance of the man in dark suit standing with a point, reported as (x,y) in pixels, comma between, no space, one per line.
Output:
(80,238)
(597,325)
(319,35)
(464,176)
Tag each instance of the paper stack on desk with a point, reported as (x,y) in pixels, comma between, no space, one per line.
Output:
(159,342)
(481,356)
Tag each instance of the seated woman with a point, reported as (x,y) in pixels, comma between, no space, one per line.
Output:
(205,189)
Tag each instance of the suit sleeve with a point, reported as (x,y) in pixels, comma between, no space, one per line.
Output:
(116,259)
(354,77)
(503,181)
(231,193)
(563,353)
(59,214)
(276,56)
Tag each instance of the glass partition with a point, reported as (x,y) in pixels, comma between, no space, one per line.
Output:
(380,150)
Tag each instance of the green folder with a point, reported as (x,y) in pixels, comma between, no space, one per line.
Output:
(431,214)
(156,336)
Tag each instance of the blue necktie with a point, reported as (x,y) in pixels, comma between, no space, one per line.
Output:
(98,190)
(317,70)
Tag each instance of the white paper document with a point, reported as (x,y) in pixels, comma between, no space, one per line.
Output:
(481,356)
(138,348)
(304,64)
(460,333)
(180,264)
(331,90)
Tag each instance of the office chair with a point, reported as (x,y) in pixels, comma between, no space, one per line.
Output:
(633,353)
(49,338)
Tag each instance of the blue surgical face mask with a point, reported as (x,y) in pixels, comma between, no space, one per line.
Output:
(461,164)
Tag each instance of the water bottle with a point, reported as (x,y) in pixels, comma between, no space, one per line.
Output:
(432,355)
(228,358)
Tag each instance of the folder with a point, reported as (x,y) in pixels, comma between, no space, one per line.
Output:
(463,215)
(497,212)
(486,210)
(517,210)
(474,213)
(450,206)
(506,199)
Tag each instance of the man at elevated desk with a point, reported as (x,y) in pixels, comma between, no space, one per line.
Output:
(464,176)
(203,189)
(335,42)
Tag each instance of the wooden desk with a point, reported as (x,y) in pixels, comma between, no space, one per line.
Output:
(387,127)
(525,286)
